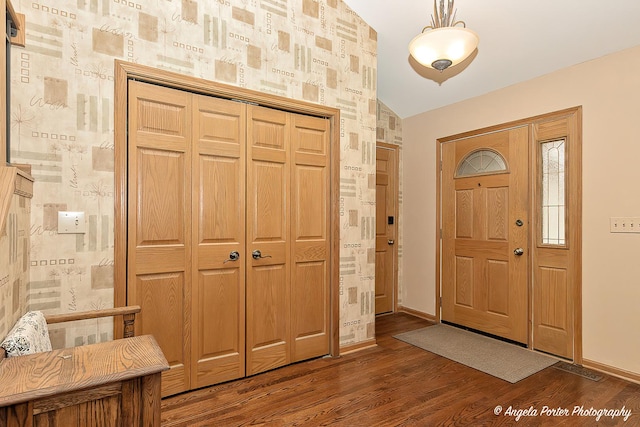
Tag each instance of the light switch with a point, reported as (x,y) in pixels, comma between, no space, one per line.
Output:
(71,223)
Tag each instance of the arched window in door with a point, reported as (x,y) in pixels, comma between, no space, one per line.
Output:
(481,162)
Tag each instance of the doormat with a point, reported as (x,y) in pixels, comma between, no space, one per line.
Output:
(506,361)
(578,370)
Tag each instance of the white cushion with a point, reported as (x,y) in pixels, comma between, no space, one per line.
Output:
(28,336)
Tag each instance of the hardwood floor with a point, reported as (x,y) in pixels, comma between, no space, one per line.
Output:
(396,384)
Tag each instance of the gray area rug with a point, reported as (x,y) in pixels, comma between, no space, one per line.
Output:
(494,357)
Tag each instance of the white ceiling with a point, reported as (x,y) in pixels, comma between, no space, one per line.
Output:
(519,40)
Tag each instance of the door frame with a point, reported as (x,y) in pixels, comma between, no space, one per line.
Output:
(575,230)
(125,71)
(396,210)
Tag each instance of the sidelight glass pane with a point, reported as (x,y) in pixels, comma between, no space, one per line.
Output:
(552,195)
(481,162)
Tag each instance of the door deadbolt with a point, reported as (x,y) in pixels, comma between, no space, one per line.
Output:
(519,223)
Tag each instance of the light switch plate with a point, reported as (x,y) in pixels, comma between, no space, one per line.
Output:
(71,223)
(625,225)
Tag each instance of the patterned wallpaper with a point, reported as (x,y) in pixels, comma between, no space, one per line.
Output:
(389,130)
(62,122)
(14,264)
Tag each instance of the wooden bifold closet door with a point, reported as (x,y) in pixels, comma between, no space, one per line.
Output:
(228,234)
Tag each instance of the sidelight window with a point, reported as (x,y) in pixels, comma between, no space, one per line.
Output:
(552,192)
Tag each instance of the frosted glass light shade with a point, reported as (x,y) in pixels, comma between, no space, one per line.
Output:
(443,47)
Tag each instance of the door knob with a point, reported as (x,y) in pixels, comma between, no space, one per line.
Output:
(233,256)
(390,241)
(518,251)
(256,254)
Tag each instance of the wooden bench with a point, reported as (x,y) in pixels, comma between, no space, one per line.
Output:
(128,319)
(115,383)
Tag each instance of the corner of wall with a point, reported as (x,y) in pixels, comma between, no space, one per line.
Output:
(14,252)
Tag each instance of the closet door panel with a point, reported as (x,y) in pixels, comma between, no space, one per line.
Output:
(218,217)
(268,269)
(159,207)
(310,320)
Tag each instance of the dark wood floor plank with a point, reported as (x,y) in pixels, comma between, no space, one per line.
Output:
(396,384)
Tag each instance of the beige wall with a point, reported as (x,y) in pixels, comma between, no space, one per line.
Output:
(62,101)
(609,91)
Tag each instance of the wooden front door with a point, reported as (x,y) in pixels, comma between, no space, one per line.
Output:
(228,244)
(386,226)
(485,228)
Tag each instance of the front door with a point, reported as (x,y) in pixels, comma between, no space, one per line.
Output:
(485,228)
(386,226)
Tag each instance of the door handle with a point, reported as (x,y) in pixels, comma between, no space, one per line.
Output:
(256,254)
(390,241)
(518,251)
(233,256)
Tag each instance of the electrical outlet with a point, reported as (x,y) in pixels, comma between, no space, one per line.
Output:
(624,225)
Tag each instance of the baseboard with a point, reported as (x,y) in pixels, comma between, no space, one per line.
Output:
(417,313)
(362,345)
(610,370)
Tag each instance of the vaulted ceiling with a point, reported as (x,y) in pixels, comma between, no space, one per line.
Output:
(519,40)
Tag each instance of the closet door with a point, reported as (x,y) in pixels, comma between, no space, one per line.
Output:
(268,242)
(159,228)
(228,247)
(218,174)
(310,202)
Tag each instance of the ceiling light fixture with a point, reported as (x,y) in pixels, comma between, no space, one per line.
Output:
(442,44)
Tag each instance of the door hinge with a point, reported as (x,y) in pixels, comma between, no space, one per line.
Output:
(441,233)
(440,301)
(440,165)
